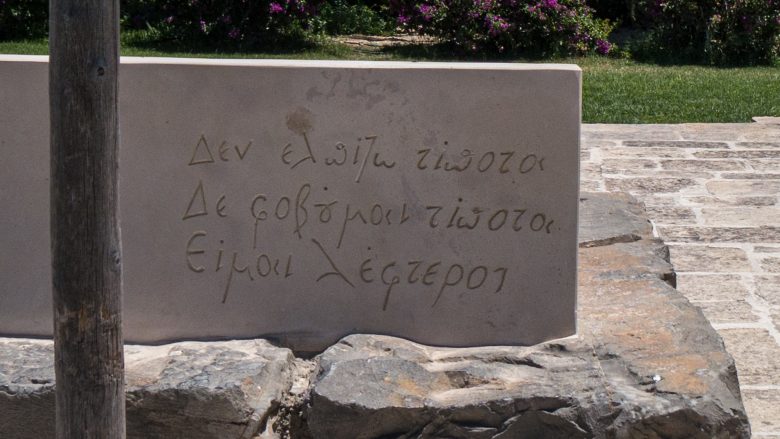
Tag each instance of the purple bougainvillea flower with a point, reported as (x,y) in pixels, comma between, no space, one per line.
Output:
(275,8)
(234,33)
(603,47)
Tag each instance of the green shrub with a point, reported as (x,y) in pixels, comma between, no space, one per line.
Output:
(21,19)
(745,32)
(344,17)
(721,32)
(231,23)
(529,27)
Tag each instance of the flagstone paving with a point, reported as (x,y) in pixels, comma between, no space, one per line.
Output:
(713,194)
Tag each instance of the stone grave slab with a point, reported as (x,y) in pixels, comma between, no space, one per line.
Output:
(306,200)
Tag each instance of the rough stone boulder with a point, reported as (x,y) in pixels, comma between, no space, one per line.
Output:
(181,390)
(645,363)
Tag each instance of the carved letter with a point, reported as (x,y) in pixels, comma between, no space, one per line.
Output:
(190,252)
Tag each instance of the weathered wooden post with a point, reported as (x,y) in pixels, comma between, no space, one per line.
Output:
(89,361)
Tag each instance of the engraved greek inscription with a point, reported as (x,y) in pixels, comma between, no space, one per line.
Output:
(336,272)
(197,202)
(516,223)
(462,224)
(220,252)
(457,275)
(365,270)
(503,169)
(301,214)
(191,252)
(393,281)
(404,216)
(465,154)
(383,163)
(347,219)
(221,206)
(528,163)
(201,154)
(476,269)
(325,211)
(448,281)
(481,166)
(423,153)
(282,208)
(431,272)
(503,278)
(234,269)
(341,147)
(538,225)
(415,265)
(365,158)
(507,161)
(452,217)
(547,229)
(497,220)
(242,154)
(436,209)
(261,261)
(223,150)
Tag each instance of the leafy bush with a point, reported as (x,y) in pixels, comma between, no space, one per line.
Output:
(745,32)
(712,31)
(344,17)
(234,23)
(531,27)
(23,19)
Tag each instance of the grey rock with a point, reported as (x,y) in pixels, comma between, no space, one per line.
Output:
(182,390)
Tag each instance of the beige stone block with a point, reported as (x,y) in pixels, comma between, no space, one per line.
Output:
(707,258)
(756,354)
(750,176)
(765,165)
(762,234)
(644,152)
(771,264)
(711,287)
(714,131)
(768,288)
(703,165)
(627,166)
(763,409)
(731,201)
(736,311)
(651,185)
(672,215)
(591,186)
(757,145)
(747,188)
(743,216)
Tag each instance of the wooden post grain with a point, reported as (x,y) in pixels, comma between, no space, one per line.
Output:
(86,265)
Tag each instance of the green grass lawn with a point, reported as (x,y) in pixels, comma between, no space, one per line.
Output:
(614,91)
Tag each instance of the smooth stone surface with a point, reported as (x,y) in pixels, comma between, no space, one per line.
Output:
(646,363)
(305,200)
(183,390)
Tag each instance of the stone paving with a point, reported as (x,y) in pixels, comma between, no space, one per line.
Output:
(713,194)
